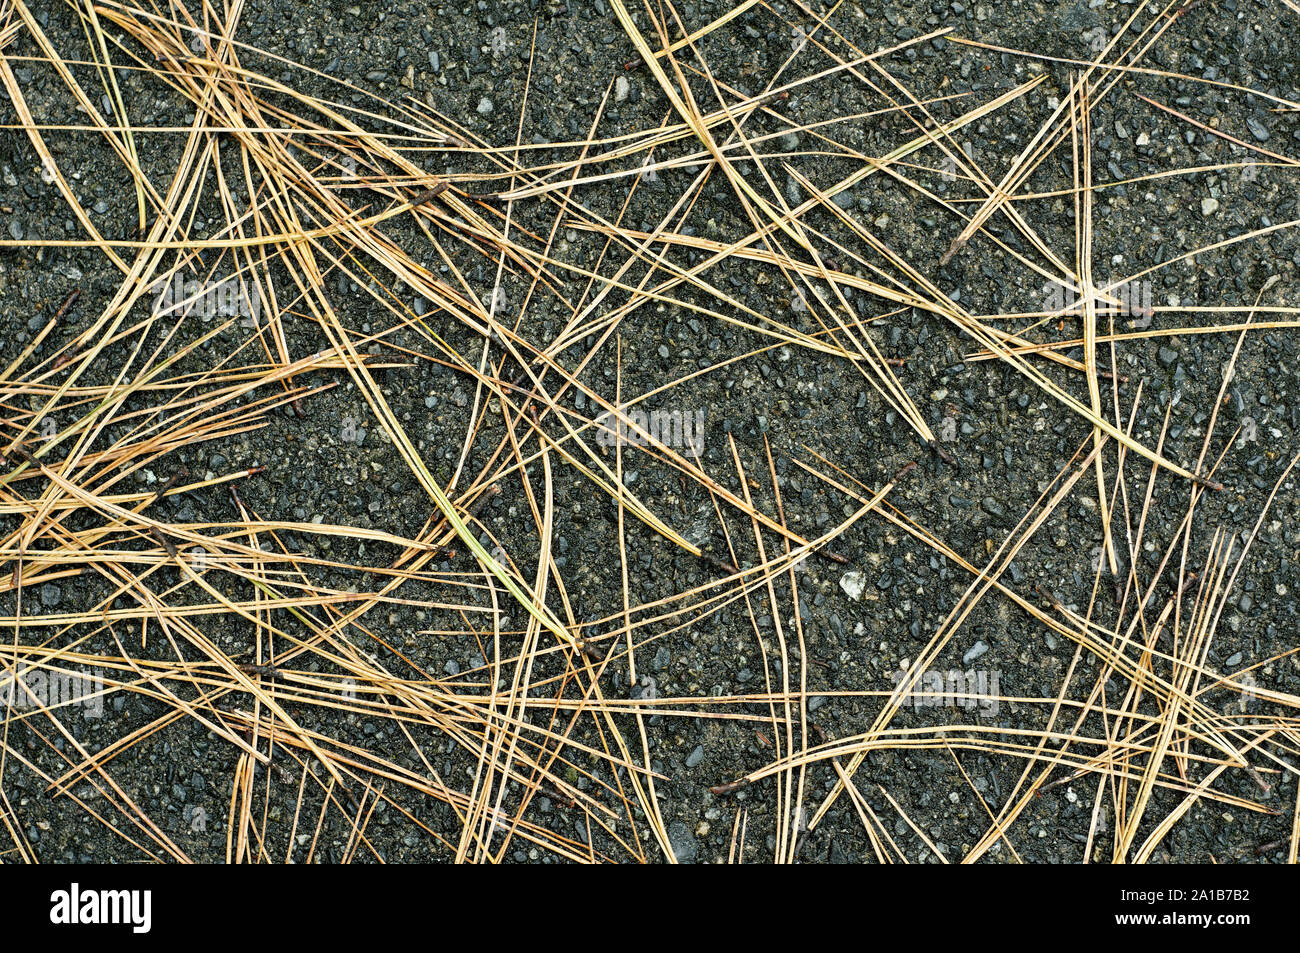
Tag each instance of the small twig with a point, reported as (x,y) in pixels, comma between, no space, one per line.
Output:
(166,542)
(729,788)
(68,302)
(719,564)
(171,482)
(943,454)
(428,195)
(477,506)
(265,671)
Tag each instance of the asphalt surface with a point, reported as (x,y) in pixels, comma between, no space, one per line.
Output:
(1003,439)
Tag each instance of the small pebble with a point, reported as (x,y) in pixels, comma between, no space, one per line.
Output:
(1257,129)
(682,841)
(854,584)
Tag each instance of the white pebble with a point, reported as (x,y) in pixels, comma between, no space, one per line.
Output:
(854,584)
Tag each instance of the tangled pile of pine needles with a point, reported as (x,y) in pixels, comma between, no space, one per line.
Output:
(312,190)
